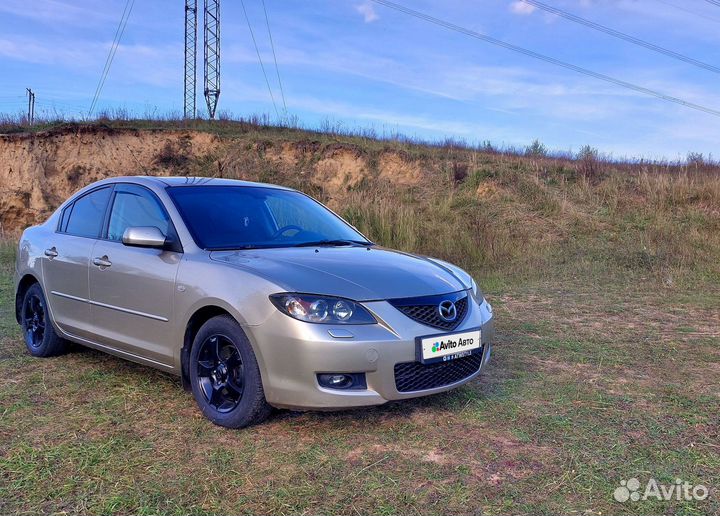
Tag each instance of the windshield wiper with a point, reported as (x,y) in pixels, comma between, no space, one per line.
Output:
(239,247)
(333,243)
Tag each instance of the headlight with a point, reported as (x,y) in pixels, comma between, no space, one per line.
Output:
(322,309)
(477,293)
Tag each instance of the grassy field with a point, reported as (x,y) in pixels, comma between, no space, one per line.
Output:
(605,279)
(589,385)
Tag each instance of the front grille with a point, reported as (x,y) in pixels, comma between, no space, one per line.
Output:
(426,312)
(414,376)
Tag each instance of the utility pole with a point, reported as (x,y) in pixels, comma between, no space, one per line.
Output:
(190,107)
(31,106)
(211,38)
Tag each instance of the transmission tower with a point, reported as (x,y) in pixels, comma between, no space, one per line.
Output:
(190,57)
(212,54)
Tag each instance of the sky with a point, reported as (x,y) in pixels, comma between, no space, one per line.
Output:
(357,64)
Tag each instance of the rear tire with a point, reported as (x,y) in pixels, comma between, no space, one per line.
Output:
(225,377)
(38,331)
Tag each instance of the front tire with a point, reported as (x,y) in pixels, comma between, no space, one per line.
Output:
(40,337)
(225,376)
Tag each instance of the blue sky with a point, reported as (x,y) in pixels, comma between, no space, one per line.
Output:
(359,64)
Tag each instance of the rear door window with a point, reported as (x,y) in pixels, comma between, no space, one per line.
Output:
(88,213)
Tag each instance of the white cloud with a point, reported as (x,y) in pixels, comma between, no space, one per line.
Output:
(55,12)
(368,12)
(133,64)
(522,8)
(34,51)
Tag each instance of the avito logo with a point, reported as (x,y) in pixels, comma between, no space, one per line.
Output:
(451,344)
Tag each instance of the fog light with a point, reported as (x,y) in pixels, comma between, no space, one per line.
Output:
(335,381)
(342,380)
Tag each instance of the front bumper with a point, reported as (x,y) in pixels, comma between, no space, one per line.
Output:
(292,353)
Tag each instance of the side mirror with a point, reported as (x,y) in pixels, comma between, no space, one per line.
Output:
(144,236)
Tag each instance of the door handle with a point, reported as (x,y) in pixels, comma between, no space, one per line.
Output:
(102,262)
(51,253)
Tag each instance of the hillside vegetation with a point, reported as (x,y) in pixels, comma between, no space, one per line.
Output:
(496,213)
(604,278)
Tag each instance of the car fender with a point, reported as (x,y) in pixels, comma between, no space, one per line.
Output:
(28,261)
(241,294)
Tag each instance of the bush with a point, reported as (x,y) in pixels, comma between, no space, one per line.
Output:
(536,149)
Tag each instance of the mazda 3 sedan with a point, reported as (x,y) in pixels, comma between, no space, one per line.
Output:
(256,295)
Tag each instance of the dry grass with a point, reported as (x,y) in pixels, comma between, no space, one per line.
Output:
(586,388)
(498,213)
(604,277)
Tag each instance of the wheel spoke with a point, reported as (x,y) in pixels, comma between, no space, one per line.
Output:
(28,312)
(216,342)
(236,376)
(235,385)
(205,367)
(206,387)
(216,397)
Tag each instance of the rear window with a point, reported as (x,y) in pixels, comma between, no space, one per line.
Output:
(87,214)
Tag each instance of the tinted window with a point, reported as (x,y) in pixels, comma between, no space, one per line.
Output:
(235,217)
(88,212)
(64,218)
(293,211)
(135,206)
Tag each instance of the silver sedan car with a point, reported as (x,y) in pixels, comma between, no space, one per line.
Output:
(256,295)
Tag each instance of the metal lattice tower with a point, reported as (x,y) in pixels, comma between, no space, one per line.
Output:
(212,54)
(189,110)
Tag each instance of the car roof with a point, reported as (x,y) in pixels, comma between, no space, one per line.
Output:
(173,181)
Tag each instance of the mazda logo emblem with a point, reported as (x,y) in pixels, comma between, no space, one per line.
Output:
(447,311)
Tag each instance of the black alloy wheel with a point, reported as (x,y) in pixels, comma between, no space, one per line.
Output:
(38,332)
(221,373)
(225,376)
(33,320)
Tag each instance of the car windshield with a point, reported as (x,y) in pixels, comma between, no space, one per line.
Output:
(246,217)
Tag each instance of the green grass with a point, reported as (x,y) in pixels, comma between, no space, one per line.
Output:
(606,367)
(580,394)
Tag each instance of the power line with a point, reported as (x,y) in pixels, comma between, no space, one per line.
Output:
(107,59)
(714,2)
(690,11)
(111,54)
(548,59)
(252,34)
(621,35)
(272,45)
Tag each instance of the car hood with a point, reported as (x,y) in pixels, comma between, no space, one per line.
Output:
(358,273)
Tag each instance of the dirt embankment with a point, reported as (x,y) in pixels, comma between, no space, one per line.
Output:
(39,171)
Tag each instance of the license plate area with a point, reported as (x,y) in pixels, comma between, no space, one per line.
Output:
(443,347)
